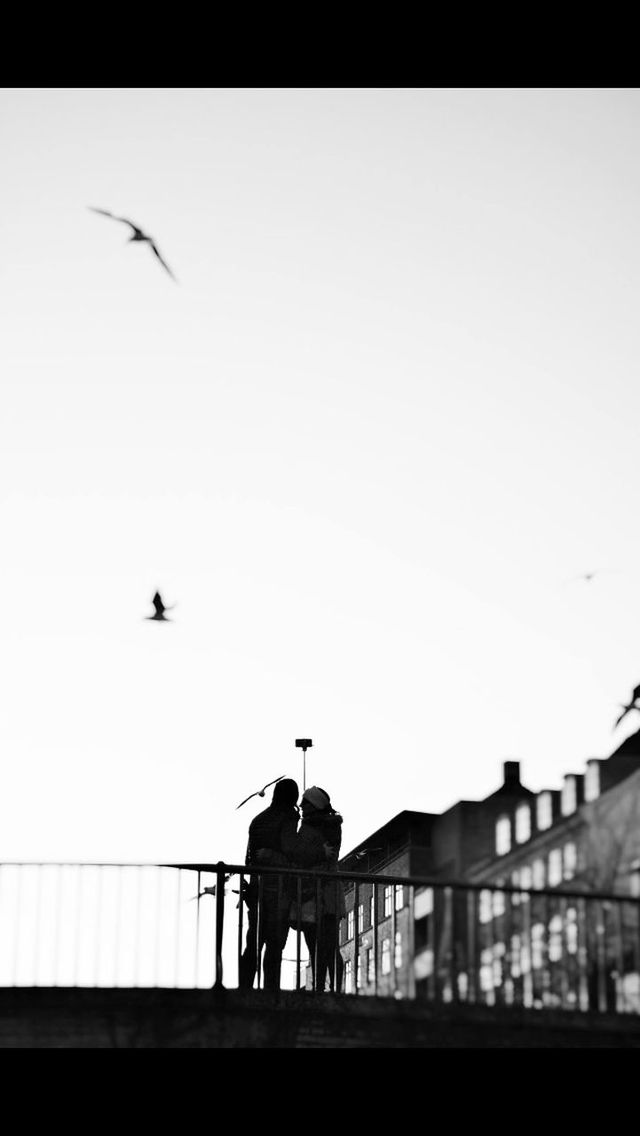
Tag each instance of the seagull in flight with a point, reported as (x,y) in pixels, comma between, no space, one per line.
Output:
(137,235)
(260,792)
(160,608)
(366,851)
(635,697)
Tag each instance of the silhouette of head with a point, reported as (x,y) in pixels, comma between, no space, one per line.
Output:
(285,792)
(316,798)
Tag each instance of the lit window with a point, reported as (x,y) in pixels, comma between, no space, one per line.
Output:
(388,899)
(569,860)
(423,903)
(503,836)
(538,874)
(350,922)
(555,866)
(348,977)
(360,916)
(592,781)
(523,823)
(397,957)
(555,938)
(572,930)
(385,965)
(537,945)
(372,903)
(371,965)
(569,798)
(399,896)
(485,911)
(525,877)
(359,972)
(544,810)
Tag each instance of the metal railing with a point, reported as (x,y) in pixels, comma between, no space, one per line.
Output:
(199,925)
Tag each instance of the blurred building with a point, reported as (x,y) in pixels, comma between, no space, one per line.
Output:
(583,837)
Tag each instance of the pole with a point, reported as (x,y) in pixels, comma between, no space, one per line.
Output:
(303,744)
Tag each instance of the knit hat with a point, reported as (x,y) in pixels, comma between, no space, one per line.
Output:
(317,798)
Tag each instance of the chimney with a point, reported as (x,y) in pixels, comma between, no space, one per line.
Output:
(511,771)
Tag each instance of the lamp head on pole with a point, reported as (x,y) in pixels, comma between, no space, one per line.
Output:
(303,744)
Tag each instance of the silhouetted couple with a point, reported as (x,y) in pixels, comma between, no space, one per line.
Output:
(277,902)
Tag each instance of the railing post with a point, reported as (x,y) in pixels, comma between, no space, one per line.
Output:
(220,868)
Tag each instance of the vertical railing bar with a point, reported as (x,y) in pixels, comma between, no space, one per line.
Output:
(37,928)
(298,884)
(158,917)
(197,947)
(376,950)
(177,929)
(508,981)
(635,938)
(117,923)
(564,955)
(527,934)
(58,924)
(472,914)
(316,950)
(220,897)
(432,984)
(602,958)
(78,910)
(98,939)
(411,944)
(449,967)
(138,932)
(259,930)
(241,890)
(356,937)
(492,944)
(620,996)
(546,961)
(16,933)
(393,937)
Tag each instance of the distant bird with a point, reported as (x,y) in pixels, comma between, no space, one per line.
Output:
(635,697)
(137,235)
(260,792)
(365,852)
(160,608)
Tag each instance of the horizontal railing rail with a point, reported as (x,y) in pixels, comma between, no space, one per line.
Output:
(212,924)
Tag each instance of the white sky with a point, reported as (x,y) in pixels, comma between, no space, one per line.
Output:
(366,444)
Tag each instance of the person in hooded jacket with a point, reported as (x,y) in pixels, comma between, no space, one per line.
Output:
(319,904)
(268,917)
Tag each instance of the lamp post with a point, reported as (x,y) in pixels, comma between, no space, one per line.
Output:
(304,744)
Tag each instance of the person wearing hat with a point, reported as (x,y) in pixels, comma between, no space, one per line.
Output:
(268,921)
(317,845)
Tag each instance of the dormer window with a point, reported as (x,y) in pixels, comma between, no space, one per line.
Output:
(544,810)
(503,835)
(592,781)
(523,823)
(569,800)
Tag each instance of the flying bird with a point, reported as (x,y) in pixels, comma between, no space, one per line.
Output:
(137,235)
(260,792)
(366,851)
(160,608)
(635,697)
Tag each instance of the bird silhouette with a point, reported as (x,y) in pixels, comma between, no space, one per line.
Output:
(365,852)
(635,697)
(137,235)
(260,792)
(160,608)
